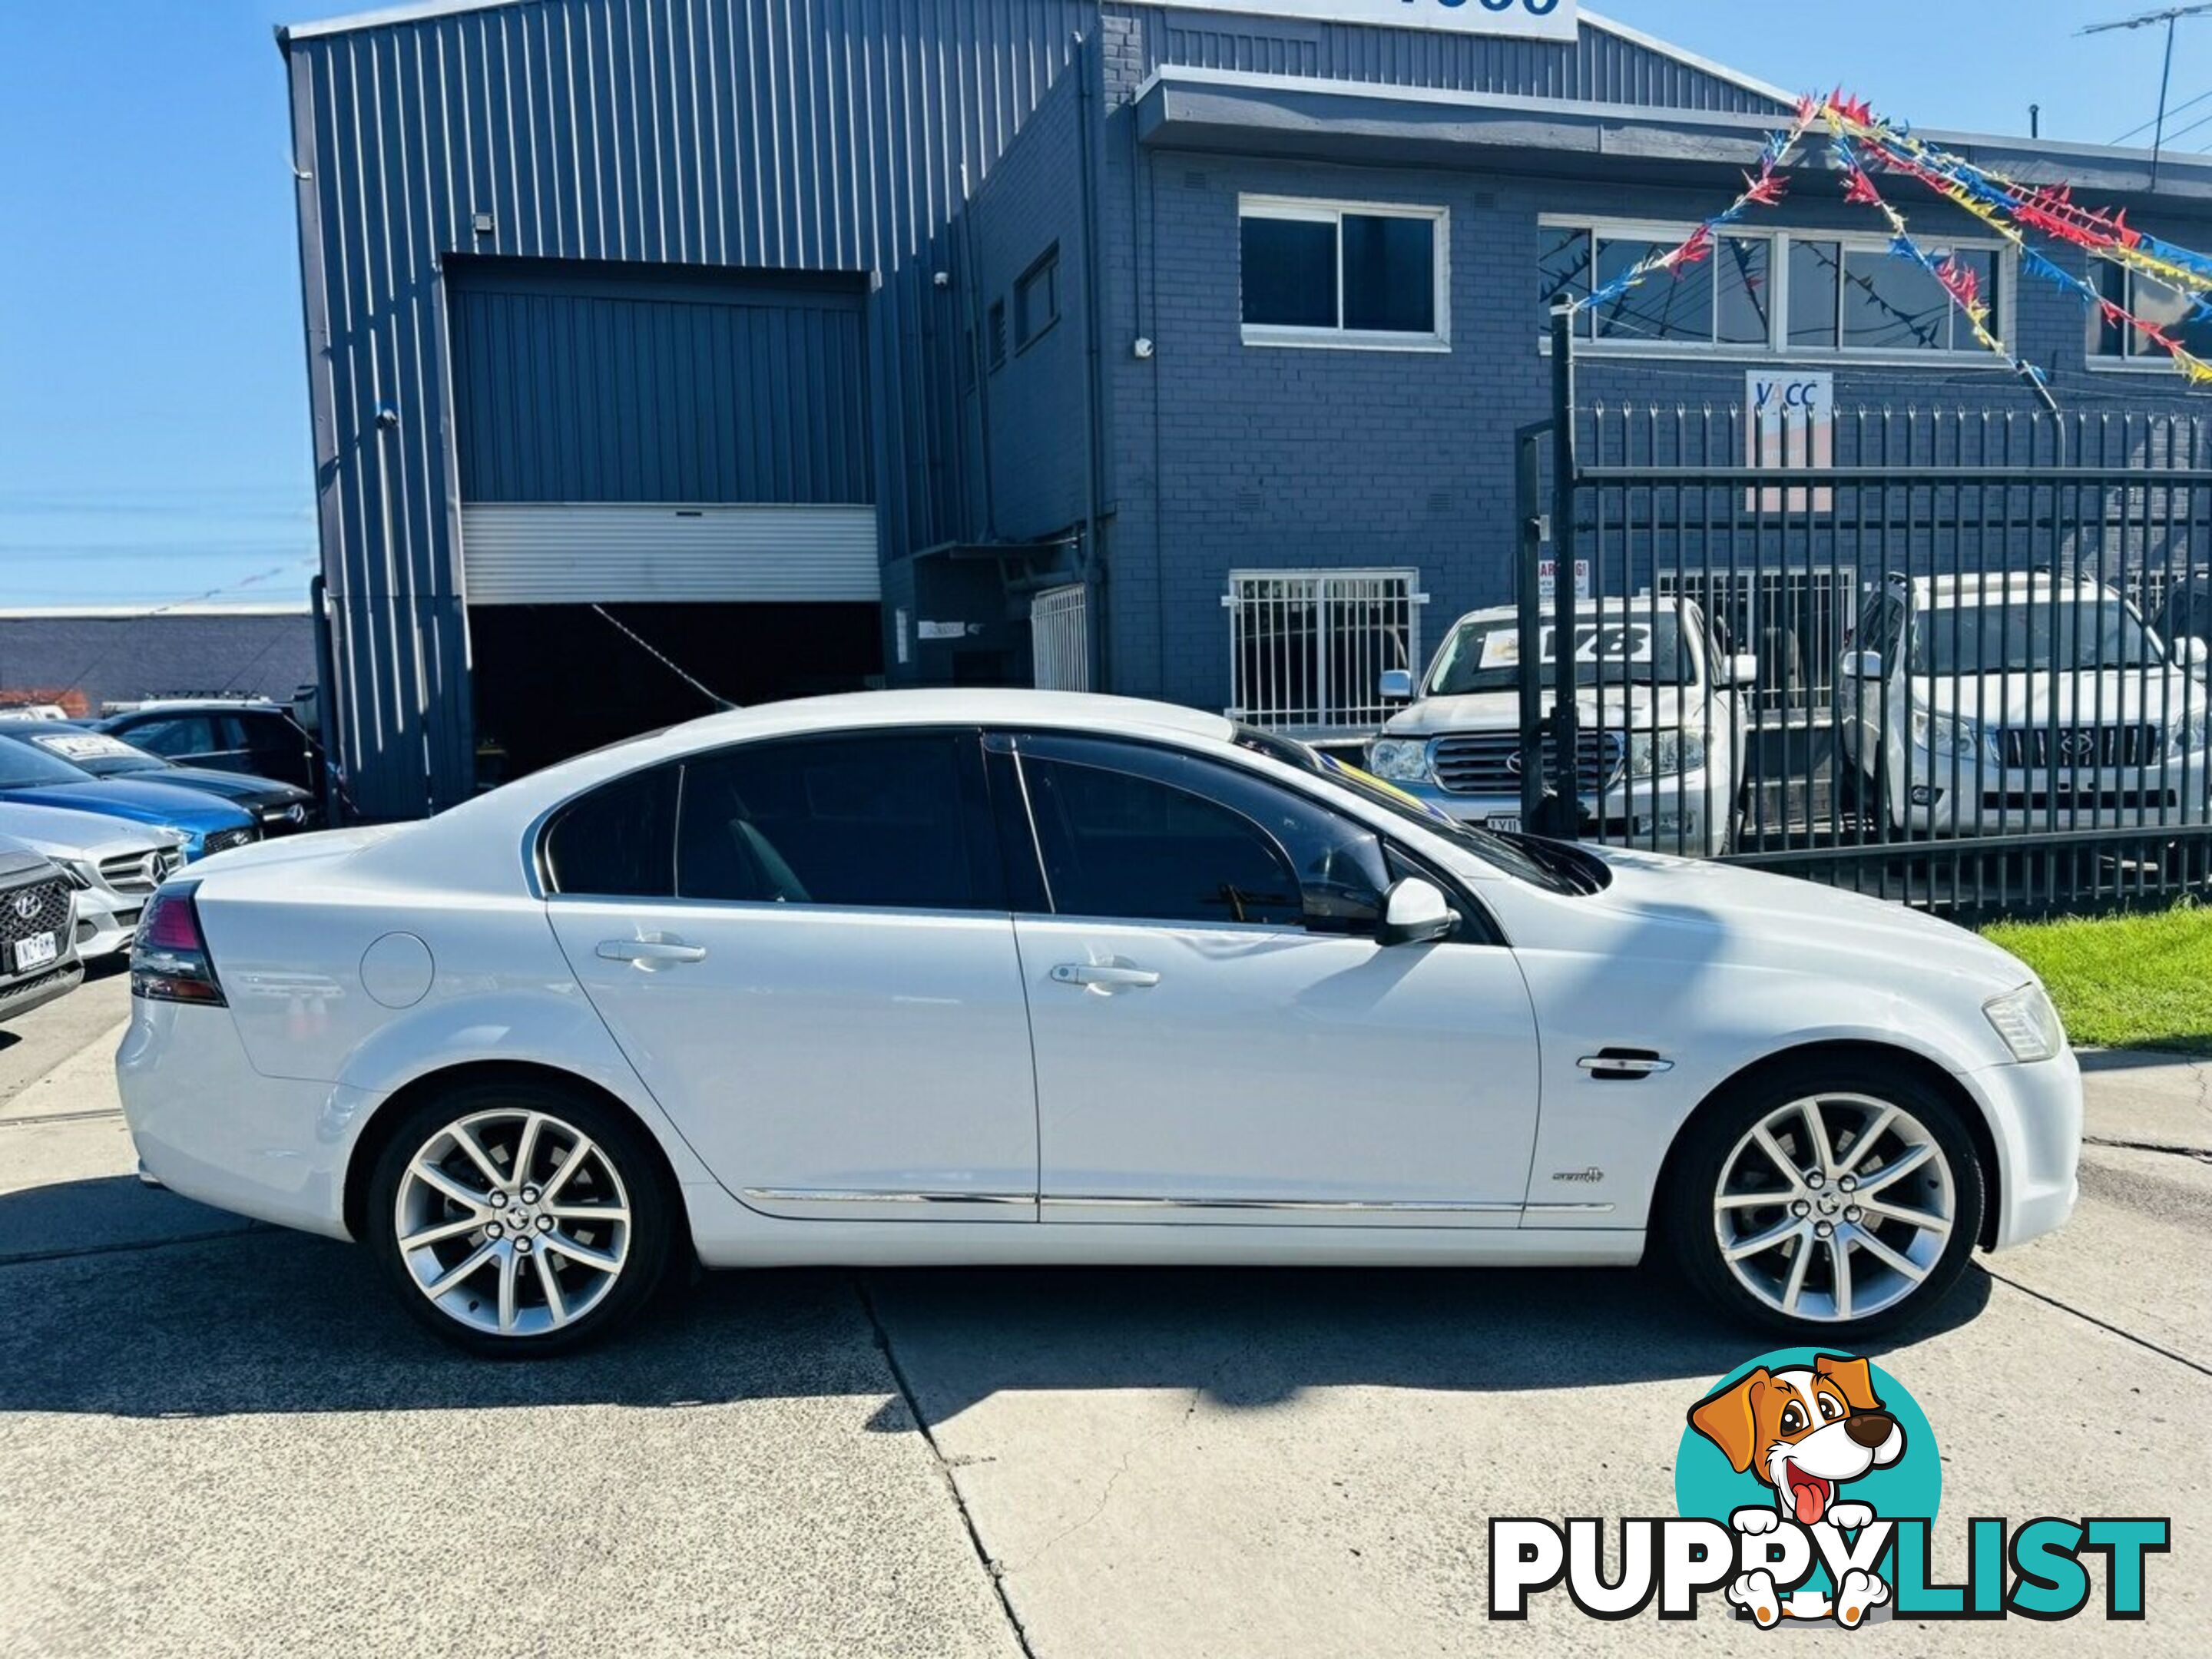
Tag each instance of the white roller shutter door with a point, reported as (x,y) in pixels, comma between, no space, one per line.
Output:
(572,553)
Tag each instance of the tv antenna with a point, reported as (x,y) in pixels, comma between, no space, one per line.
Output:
(2171,17)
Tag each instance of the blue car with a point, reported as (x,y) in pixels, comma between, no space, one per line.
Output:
(32,777)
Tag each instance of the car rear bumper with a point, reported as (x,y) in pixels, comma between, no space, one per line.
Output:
(209,1126)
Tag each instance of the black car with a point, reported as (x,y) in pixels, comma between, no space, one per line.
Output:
(278,808)
(261,739)
(37,932)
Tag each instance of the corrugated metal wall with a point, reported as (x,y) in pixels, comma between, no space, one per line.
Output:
(594,389)
(821,134)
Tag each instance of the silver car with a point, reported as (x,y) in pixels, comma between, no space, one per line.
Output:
(113,864)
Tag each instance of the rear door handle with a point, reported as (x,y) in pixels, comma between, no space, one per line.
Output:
(649,953)
(1103,976)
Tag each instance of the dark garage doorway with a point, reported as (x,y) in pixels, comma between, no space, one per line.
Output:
(556,680)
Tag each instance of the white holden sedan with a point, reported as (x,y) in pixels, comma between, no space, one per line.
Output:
(954,977)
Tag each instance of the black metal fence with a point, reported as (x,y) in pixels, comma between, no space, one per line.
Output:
(1952,657)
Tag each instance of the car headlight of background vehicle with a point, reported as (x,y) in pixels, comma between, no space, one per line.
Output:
(2188,734)
(1665,754)
(1400,760)
(1942,735)
(2028,1022)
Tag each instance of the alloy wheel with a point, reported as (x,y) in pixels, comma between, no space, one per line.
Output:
(513,1222)
(1834,1207)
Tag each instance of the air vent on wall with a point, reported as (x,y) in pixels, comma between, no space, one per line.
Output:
(1250,500)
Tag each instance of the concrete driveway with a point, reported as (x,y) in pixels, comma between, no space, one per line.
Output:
(221,1439)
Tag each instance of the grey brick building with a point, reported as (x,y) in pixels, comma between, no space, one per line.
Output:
(666,347)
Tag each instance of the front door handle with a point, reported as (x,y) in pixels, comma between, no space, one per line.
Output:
(1103,976)
(651,953)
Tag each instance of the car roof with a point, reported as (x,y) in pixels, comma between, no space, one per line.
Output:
(1985,586)
(1627,605)
(969,706)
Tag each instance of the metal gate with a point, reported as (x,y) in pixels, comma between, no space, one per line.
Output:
(1932,667)
(1060,638)
(1308,648)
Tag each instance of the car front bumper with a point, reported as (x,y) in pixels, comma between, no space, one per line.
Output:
(1688,814)
(107,922)
(1996,802)
(2034,1115)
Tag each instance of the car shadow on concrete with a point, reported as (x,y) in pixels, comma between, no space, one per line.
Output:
(268,1322)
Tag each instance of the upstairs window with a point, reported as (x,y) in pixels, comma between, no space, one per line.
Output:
(2151,299)
(1344,274)
(1779,291)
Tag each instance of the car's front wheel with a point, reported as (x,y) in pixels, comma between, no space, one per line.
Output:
(518,1219)
(1829,1201)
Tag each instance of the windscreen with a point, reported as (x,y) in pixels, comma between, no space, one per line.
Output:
(2032,636)
(1620,648)
(95,752)
(26,766)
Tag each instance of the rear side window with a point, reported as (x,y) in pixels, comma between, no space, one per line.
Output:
(896,822)
(619,842)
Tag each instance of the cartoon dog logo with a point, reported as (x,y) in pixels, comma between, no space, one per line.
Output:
(1805,1430)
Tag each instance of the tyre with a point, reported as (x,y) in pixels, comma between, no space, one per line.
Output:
(517,1219)
(1828,1200)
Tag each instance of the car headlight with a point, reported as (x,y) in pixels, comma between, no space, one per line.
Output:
(2188,734)
(1665,754)
(2028,1022)
(1400,760)
(1942,735)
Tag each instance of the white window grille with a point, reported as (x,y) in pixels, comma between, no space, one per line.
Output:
(1060,638)
(1795,622)
(1306,648)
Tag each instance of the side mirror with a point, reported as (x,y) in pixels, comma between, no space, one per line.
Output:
(1396,685)
(2192,653)
(1741,669)
(1863,665)
(1415,912)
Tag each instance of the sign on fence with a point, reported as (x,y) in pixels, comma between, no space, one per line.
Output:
(1790,420)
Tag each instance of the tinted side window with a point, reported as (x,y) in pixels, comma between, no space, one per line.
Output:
(896,822)
(182,734)
(1120,846)
(619,842)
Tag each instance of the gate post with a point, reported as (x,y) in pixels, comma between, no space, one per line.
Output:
(1527,502)
(1562,757)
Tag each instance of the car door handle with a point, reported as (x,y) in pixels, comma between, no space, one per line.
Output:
(1103,976)
(650,953)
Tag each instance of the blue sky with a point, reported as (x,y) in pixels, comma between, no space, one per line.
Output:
(152,402)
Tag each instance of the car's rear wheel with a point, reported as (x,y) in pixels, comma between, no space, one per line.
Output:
(518,1220)
(1828,1202)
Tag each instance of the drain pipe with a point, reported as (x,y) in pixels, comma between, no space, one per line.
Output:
(1094,564)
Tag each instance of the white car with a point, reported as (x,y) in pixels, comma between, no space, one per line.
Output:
(995,977)
(114,864)
(2008,703)
(1659,761)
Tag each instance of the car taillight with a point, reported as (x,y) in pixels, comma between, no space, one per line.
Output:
(169,959)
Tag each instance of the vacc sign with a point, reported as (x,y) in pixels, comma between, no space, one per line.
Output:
(1539,20)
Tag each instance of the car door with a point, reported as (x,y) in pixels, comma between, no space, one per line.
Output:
(272,745)
(804,947)
(1219,1036)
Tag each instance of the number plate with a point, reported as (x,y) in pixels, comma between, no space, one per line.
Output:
(35,951)
(1505,826)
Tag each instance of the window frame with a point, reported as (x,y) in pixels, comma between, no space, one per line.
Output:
(1332,211)
(980,827)
(2137,355)
(1152,761)
(1779,239)
(1044,268)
